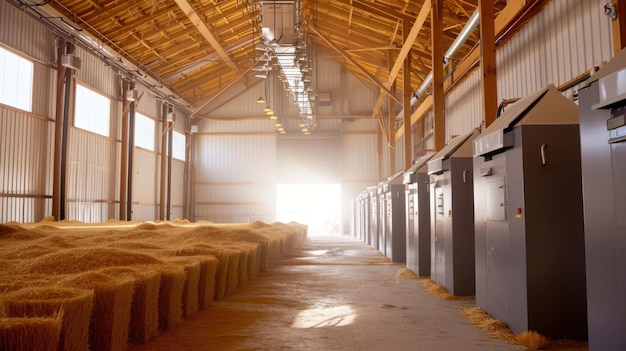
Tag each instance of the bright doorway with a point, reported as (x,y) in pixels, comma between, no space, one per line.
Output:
(316,205)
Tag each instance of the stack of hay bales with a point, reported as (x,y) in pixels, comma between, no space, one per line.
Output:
(72,286)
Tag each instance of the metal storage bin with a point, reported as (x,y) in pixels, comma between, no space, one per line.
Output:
(452,216)
(602,108)
(530,255)
(372,238)
(417,207)
(394,218)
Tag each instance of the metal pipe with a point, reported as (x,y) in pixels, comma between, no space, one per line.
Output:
(64,132)
(170,135)
(467,30)
(131,148)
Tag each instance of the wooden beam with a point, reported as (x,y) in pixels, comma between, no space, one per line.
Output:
(488,61)
(380,11)
(407,93)
(195,19)
(208,101)
(391,123)
(409,39)
(437,62)
(379,153)
(347,56)
(619,26)
(505,18)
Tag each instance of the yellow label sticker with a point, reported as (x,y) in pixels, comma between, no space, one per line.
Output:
(518,216)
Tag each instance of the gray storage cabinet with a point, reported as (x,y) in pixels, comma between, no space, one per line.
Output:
(395,217)
(530,257)
(452,216)
(602,107)
(372,238)
(382,235)
(417,205)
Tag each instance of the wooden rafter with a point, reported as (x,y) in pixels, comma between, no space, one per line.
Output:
(406,47)
(353,61)
(195,19)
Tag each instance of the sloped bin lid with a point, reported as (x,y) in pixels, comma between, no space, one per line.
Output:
(435,165)
(546,106)
(410,175)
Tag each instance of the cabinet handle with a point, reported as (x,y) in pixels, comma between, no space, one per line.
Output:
(543,154)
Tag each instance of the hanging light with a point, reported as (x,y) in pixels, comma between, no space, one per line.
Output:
(273,117)
(260,100)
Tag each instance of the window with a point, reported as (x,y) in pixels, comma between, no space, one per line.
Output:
(178,145)
(16,81)
(144,131)
(92,111)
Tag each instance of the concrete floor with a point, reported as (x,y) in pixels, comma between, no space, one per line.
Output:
(336,293)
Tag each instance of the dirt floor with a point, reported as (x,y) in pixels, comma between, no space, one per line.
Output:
(336,293)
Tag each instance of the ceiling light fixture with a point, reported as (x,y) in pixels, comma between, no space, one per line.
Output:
(260,100)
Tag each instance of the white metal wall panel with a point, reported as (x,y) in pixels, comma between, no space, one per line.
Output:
(44,95)
(359,158)
(178,182)
(235,213)
(143,212)
(24,34)
(233,158)
(145,177)
(96,74)
(399,155)
(564,40)
(238,126)
(237,192)
(25,163)
(463,107)
(235,177)
(148,105)
(348,94)
(314,158)
(91,179)
(359,125)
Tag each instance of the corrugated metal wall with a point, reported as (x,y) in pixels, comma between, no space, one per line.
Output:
(92,179)
(27,140)
(25,163)
(564,40)
(93,175)
(235,171)
(359,155)
(24,34)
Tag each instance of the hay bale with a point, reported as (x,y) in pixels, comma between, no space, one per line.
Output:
(33,334)
(80,260)
(144,310)
(76,305)
(11,282)
(209,265)
(227,268)
(191,266)
(28,252)
(110,317)
(171,296)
